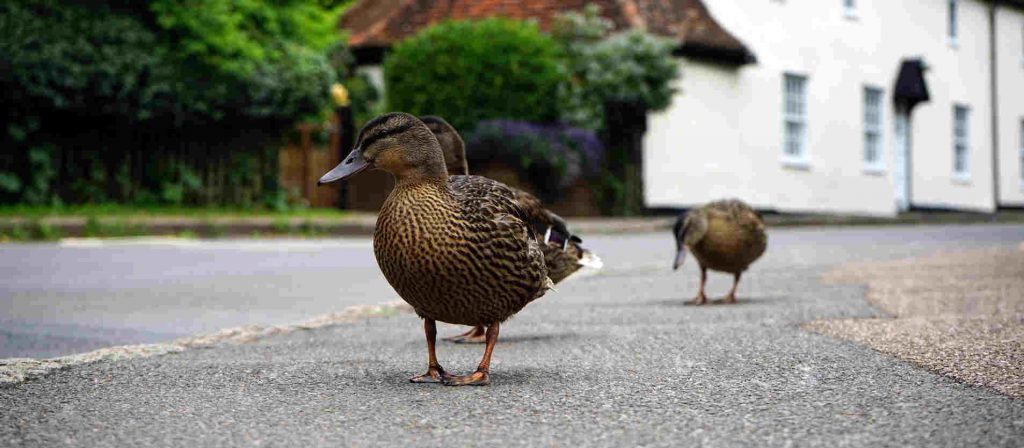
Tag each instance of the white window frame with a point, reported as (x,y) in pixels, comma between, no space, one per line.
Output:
(1020,159)
(794,112)
(952,22)
(850,9)
(873,129)
(961,140)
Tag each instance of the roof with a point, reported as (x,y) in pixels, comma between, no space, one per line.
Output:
(377,24)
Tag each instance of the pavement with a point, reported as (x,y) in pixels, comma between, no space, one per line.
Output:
(615,358)
(958,313)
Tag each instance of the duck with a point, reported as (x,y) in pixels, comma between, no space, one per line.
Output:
(725,236)
(563,253)
(457,249)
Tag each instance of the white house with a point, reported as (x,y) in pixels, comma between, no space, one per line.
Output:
(816,124)
(793,105)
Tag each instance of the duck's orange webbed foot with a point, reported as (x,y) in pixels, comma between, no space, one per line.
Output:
(476,335)
(478,378)
(435,374)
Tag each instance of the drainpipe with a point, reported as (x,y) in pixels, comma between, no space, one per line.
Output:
(994,93)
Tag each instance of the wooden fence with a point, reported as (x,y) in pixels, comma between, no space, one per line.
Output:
(304,159)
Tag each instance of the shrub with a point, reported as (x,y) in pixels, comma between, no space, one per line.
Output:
(472,71)
(549,157)
(631,66)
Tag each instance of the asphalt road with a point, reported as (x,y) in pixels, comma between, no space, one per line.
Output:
(59,299)
(610,359)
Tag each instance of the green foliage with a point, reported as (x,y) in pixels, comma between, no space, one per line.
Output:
(627,66)
(38,190)
(472,71)
(113,93)
(9,183)
(238,37)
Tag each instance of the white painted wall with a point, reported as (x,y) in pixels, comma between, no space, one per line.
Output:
(1010,63)
(723,134)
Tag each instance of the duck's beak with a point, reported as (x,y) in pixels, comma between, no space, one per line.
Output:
(680,257)
(352,164)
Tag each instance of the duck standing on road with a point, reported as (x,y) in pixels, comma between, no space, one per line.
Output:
(458,250)
(563,252)
(724,236)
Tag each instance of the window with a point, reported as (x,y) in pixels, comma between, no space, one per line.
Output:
(952,25)
(961,146)
(795,118)
(1022,154)
(873,129)
(850,8)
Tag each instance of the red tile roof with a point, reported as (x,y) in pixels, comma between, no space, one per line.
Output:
(376,24)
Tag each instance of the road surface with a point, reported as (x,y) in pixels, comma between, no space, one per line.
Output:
(610,359)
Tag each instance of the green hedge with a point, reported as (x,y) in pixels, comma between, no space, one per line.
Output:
(472,71)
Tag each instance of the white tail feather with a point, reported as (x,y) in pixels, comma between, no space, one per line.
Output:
(549,285)
(591,260)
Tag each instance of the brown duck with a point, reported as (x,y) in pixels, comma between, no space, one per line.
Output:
(458,249)
(724,236)
(563,254)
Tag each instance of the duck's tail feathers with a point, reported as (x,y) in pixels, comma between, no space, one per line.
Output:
(590,260)
(548,284)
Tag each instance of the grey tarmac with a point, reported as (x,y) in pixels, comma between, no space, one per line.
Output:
(610,359)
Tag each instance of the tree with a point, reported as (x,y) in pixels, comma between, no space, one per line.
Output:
(126,99)
(616,80)
(630,66)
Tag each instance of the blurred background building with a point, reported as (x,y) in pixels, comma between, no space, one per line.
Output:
(841,106)
(852,106)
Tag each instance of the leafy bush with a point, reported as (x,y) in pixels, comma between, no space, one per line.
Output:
(549,157)
(627,66)
(472,71)
(129,100)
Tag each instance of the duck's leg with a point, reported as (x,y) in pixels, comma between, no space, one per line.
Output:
(731,298)
(475,335)
(435,373)
(701,298)
(480,377)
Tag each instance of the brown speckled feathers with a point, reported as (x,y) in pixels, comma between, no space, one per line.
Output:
(563,254)
(724,235)
(459,252)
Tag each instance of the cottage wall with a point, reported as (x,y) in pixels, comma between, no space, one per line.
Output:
(723,134)
(1010,66)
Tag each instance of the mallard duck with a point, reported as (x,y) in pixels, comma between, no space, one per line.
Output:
(724,236)
(563,254)
(458,249)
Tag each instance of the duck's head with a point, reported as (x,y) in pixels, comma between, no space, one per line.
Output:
(679,231)
(398,143)
(452,146)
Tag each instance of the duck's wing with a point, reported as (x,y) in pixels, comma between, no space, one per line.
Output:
(545,222)
(737,211)
(563,252)
(490,211)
